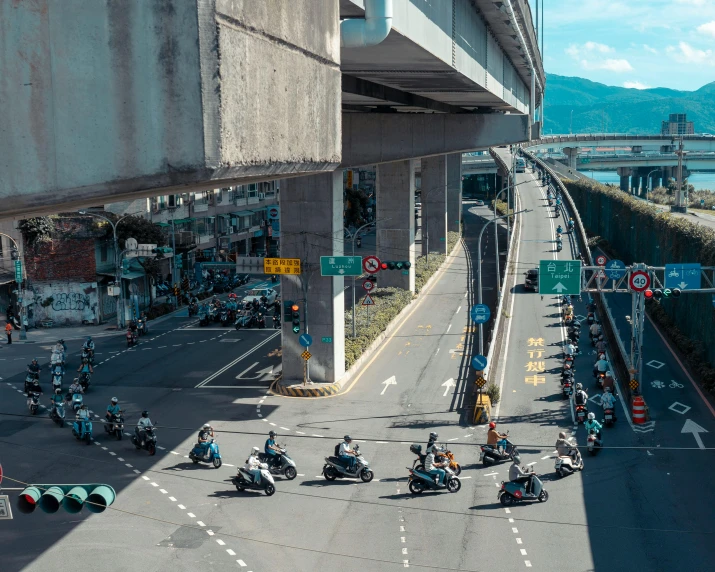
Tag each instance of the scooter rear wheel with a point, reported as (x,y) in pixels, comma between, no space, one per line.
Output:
(416,487)
(506,499)
(329,473)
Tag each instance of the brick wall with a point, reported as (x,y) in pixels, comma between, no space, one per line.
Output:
(63,259)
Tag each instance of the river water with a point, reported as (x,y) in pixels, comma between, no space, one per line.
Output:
(701,181)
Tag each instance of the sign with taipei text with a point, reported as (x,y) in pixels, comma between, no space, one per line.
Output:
(281,265)
(560,277)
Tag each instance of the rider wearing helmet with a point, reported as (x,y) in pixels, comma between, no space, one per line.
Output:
(608,401)
(518,475)
(592,425)
(272,451)
(609,382)
(112,409)
(496,439)
(205,435)
(346,453)
(89,344)
(432,443)
(253,465)
(580,397)
(142,424)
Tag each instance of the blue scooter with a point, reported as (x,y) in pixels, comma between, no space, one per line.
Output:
(82,430)
(214,457)
(512,492)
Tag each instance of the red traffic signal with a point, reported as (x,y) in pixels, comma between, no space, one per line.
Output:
(648,294)
(383,265)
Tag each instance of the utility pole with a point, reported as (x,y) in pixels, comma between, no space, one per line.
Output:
(680,203)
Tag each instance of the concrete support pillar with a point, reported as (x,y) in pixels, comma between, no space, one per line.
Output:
(454,191)
(624,173)
(655,180)
(395,192)
(434,204)
(311,227)
(635,181)
(572,156)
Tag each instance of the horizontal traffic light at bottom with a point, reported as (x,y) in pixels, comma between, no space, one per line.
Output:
(657,294)
(95,496)
(396,265)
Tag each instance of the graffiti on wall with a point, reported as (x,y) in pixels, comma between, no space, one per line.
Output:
(70,302)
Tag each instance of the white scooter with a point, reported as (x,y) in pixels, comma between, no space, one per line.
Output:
(566,465)
(244,480)
(334,469)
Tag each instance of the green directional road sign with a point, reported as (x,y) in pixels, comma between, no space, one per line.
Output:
(341,265)
(560,277)
(18,271)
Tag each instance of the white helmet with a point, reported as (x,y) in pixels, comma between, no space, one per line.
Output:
(255,451)
(206,426)
(609,374)
(591,416)
(115,400)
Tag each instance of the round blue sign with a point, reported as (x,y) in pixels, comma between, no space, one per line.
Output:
(615,269)
(479,362)
(480,313)
(305,340)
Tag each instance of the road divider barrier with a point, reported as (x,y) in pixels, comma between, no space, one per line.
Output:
(482,409)
(638,410)
(305,390)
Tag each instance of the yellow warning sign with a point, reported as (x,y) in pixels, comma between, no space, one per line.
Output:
(281,265)
(306,355)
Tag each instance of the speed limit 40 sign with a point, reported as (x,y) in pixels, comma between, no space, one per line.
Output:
(639,281)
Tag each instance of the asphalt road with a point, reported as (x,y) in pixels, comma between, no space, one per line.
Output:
(630,508)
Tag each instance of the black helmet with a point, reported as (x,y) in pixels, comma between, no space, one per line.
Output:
(145,414)
(433,436)
(272,434)
(347,438)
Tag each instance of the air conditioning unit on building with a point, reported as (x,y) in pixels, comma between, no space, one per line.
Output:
(262,196)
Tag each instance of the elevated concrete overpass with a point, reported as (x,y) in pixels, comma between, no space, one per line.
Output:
(105,102)
(695,162)
(691,142)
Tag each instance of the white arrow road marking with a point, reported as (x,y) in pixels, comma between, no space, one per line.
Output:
(447,384)
(261,373)
(387,383)
(692,427)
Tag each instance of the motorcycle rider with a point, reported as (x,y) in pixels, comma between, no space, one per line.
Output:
(517,475)
(594,329)
(88,344)
(565,449)
(608,401)
(205,435)
(253,466)
(76,387)
(272,451)
(34,368)
(568,311)
(432,443)
(142,424)
(580,397)
(496,439)
(83,417)
(34,388)
(601,366)
(571,224)
(112,409)
(255,304)
(346,454)
(609,383)
(56,399)
(601,345)
(435,469)
(85,367)
(592,424)
(569,349)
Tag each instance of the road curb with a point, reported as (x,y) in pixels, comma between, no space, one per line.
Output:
(299,390)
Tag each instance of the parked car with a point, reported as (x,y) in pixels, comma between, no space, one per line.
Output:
(269,293)
(479,203)
(531,282)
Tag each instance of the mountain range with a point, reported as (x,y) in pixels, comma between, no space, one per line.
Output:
(599,108)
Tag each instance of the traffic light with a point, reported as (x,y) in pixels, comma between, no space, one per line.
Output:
(395,265)
(95,496)
(676,293)
(648,294)
(295,317)
(287,311)
(176,290)
(657,294)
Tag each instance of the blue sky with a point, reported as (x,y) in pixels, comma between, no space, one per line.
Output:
(631,43)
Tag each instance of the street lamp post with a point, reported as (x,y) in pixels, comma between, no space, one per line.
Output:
(23,329)
(117,274)
(496,231)
(647,178)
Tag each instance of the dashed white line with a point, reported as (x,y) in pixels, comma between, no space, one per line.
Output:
(518,541)
(448,328)
(453,439)
(172,499)
(230,552)
(546,457)
(285,428)
(210,532)
(182,507)
(137,472)
(458,309)
(160,447)
(173,452)
(241,563)
(145,478)
(153,484)
(300,433)
(112,453)
(528,564)
(530,464)
(164,491)
(272,424)
(220,542)
(515,530)
(120,459)
(523,552)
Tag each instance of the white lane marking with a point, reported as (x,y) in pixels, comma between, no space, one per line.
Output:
(164,491)
(228,465)
(506,510)
(469,435)
(532,463)
(515,530)
(128,465)
(453,439)
(120,459)
(316,435)
(300,433)
(465,294)
(262,416)
(490,474)
(220,542)
(404,551)
(176,345)
(173,452)
(210,532)
(518,541)
(182,507)
(153,484)
(271,423)
(172,499)
(241,563)
(448,328)
(104,448)
(198,521)
(462,478)
(285,428)
(528,564)
(458,309)
(546,457)
(137,472)
(511,520)
(230,552)
(523,552)
(160,447)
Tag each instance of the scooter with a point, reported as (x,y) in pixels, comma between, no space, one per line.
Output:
(490,454)
(29,379)
(442,454)
(57,358)
(77,401)
(581,412)
(566,465)
(420,480)
(82,430)
(33,402)
(244,320)
(193,309)
(244,480)
(512,492)
(609,417)
(287,466)
(149,440)
(131,338)
(600,377)
(214,457)
(84,379)
(334,469)
(57,413)
(115,426)
(590,318)
(593,443)
(142,327)
(88,355)
(223,317)
(204,319)
(567,389)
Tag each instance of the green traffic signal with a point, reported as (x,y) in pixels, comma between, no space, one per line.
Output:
(95,496)
(667,292)
(396,264)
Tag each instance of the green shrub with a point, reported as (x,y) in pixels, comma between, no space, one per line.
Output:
(493,393)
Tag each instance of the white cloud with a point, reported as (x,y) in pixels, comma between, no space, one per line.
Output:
(687,54)
(708,29)
(635,85)
(589,56)
(647,48)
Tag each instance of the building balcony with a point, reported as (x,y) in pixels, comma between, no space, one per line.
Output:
(201,207)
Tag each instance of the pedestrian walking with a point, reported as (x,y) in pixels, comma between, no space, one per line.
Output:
(8,331)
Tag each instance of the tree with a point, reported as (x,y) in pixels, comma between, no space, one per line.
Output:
(137,227)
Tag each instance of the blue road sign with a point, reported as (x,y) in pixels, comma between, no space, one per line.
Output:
(479,362)
(683,276)
(305,340)
(480,313)
(615,269)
